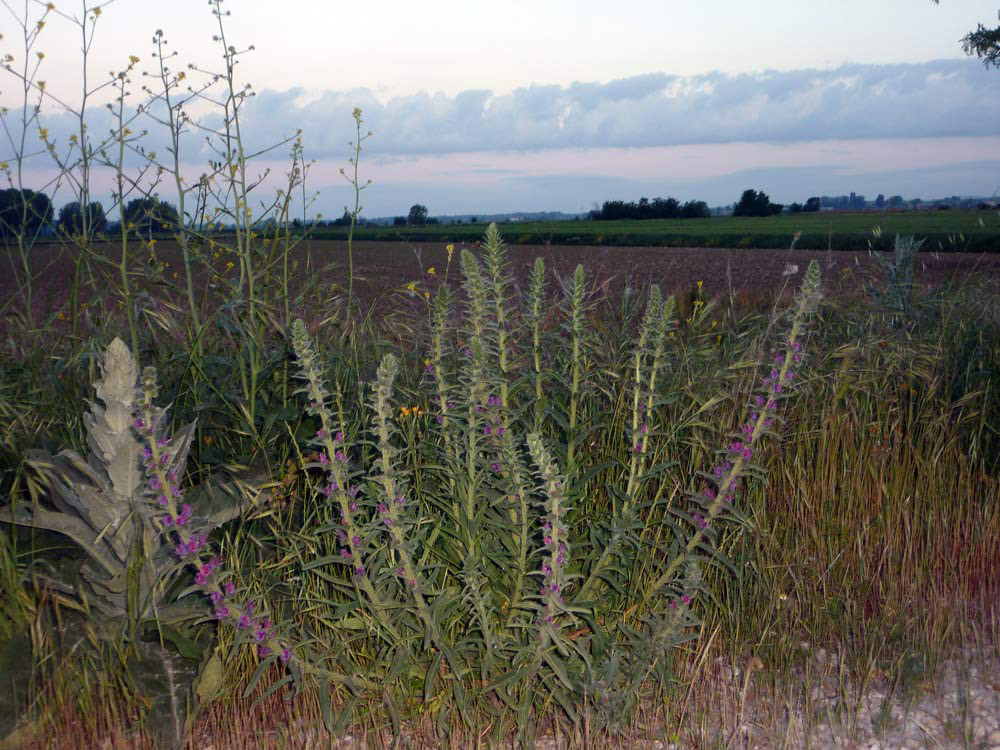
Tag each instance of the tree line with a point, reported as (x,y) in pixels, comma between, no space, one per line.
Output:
(657,208)
(30,213)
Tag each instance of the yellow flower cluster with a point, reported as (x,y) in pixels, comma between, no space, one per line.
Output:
(410,411)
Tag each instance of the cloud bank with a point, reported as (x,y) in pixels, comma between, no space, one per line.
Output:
(935,99)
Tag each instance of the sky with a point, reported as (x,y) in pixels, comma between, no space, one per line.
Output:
(559,105)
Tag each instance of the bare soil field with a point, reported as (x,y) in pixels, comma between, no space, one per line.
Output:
(383,271)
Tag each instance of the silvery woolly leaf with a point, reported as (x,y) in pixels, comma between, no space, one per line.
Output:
(166,680)
(73,527)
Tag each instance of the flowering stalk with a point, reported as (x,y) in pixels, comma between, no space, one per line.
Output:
(333,459)
(393,502)
(536,298)
(575,296)
(192,546)
(555,540)
(496,266)
(736,460)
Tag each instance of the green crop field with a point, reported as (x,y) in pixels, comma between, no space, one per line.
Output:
(967,231)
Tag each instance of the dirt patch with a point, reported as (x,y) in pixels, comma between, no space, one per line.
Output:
(383,271)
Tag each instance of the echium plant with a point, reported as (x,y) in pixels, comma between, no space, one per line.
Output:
(897,291)
(460,558)
(124,506)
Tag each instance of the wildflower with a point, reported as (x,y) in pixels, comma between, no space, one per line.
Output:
(431,271)
(133,59)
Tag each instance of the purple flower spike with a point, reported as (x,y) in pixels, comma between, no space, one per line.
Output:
(685,598)
(222,612)
(285,655)
(263,652)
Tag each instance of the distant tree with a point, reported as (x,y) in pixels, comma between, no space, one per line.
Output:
(433,220)
(880,201)
(71,219)
(150,216)
(399,221)
(753,203)
(813,204)
(24,212)
(695,210)
(474,220)
(417,215)
(795,208)
(895,201)
(343,221)
(984,43)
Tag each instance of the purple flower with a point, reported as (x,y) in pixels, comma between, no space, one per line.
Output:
(222,612)
(496,468)
(244,622)
(356,541)
(344,552)
(263,652)
(685,598)
(285,654)
(229,587)
(139,424)
(321,433)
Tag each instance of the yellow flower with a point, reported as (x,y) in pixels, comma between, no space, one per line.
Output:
(431,271)
(181,76)
(404,411)
(40,25)
(50,6)
(60,315)
(412,286)
(700,284)
(229,265)
(41,85)
(418,411)
(450,248)
(97,12)
(72,138)
(427,361)
(133,59)
(41,55)
(175,274)
(43,133)
(427,295)
(4,166)
(126,132)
